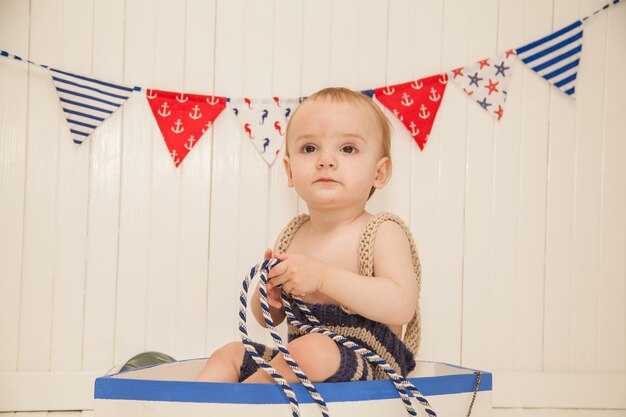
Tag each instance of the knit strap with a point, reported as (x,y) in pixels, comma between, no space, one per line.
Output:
(287,234)
(366,268)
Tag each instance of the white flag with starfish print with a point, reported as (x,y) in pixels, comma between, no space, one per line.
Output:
(486,81)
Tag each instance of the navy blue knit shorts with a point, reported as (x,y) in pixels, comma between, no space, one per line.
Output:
(352,366)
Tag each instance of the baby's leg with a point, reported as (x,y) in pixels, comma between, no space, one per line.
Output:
(224,364)
(317,355)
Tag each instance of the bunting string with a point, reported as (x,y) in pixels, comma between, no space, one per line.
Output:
(183,118)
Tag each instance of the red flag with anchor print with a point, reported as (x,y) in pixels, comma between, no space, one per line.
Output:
(183,118)
(415,104)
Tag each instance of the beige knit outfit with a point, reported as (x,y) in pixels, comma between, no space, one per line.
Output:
(366,268)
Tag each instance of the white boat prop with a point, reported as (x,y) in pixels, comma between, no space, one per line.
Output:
(170,390)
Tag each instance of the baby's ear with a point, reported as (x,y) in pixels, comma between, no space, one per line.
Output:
(383,172)
(287,164)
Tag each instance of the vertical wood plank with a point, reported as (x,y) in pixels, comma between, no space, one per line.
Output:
(44,129)
(434,180)
(104,195)
(439,197)
(257,81)
(136,172)
(169,61)
(14,26)
(72,198)
(587,189)
(478,281)
(193,245)
(400,68)
(226,165)
(287,71)
(344,38)
(533,94)
(612,270)
(559,222)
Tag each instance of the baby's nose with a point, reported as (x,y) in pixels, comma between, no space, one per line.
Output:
(326,161)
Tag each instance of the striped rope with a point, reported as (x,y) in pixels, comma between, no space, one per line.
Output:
(401,384)
(262,270)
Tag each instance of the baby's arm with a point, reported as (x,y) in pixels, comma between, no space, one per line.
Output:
(389,297)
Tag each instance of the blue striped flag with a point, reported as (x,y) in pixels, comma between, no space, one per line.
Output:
(87,102)
(556,56)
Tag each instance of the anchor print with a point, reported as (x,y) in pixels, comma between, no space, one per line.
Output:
(424,113)
(207,126)
(417,85)
(264,116)
(248,130)
(190,143)
(151,94)
(196,113)
(389,91)
(443,79)
(178,129)
(181,98)
(164,112)
(398,115)
(175,157)
(212,100)
(406,100)
(434,96)
(413,129)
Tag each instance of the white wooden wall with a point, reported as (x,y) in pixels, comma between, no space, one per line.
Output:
(107,250)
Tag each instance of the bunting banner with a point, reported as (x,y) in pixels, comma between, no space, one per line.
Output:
(486,81)
(87,102)
(183,118)
(264,122)
(415,104)
(556,56)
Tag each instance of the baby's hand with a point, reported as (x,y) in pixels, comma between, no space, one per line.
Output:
(299,275)
(273,293)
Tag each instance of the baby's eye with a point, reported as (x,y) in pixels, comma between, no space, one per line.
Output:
(309,148)
(348,149)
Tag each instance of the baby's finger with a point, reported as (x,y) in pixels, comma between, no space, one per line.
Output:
(268,253)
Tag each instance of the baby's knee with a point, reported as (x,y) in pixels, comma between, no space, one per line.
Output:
(231,350)
(317,355)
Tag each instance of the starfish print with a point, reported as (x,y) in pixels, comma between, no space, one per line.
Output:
(509,53)
(484,63)
(484,103)
(458,71)
(474,79)
(499,112)
(493,87)
(501,68)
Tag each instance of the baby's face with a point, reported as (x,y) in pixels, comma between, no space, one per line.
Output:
(335,149)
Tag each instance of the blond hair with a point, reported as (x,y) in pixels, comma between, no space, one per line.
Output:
(342,95)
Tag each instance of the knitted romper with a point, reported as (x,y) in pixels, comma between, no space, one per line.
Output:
(370,334)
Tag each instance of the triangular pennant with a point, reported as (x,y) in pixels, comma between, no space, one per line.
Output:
(87,102)
(415,104)
(183,118)
(264,122)
(486,81)
(556,56)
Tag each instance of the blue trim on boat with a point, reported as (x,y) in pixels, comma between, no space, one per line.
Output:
(112,388)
